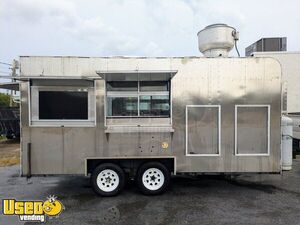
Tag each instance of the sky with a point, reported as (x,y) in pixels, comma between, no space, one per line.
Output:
(136,27)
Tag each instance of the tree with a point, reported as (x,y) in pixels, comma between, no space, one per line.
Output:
(4,99)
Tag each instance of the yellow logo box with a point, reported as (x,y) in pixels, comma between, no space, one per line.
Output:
(33,210)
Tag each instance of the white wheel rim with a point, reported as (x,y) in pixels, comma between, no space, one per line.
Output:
(108,180)
(153,179)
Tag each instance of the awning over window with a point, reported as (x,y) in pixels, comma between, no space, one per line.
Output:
(10,86)
(138,75)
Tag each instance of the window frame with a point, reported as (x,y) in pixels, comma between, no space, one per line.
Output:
(219,108)
(137,94)
(34,120)
(236,126)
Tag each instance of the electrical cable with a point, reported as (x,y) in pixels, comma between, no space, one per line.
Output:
(236,48)
(4,63)
(2,71)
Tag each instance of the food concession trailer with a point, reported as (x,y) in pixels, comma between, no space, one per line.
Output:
(149,117)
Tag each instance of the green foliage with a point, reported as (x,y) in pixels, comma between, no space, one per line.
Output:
(4,99)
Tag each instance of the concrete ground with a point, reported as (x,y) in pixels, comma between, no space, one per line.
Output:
(249,199)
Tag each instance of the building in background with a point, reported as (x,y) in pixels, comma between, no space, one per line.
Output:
(276,47)
(274,44)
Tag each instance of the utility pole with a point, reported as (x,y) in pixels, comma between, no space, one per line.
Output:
(15,66)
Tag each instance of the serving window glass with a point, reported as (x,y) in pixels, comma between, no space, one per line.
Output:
(155,105)
(63,105)
(122,106)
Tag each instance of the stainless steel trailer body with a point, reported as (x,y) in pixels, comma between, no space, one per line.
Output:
(224,114)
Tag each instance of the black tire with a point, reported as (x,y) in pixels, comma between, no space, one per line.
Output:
(159,166)
(110,166)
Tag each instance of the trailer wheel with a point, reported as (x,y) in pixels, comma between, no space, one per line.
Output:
(108,179)
(153,178)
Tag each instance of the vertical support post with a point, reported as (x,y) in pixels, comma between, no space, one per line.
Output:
(28,160)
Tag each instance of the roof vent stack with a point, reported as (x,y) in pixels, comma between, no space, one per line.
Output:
(217,40)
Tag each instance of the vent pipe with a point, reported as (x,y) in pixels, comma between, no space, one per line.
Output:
(217,40)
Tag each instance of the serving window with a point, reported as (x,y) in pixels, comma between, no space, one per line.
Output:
(138,99)
(62,105)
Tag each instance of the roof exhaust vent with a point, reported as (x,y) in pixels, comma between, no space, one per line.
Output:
(217,40)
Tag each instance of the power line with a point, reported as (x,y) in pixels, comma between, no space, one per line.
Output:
(2,71)
(4,63)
